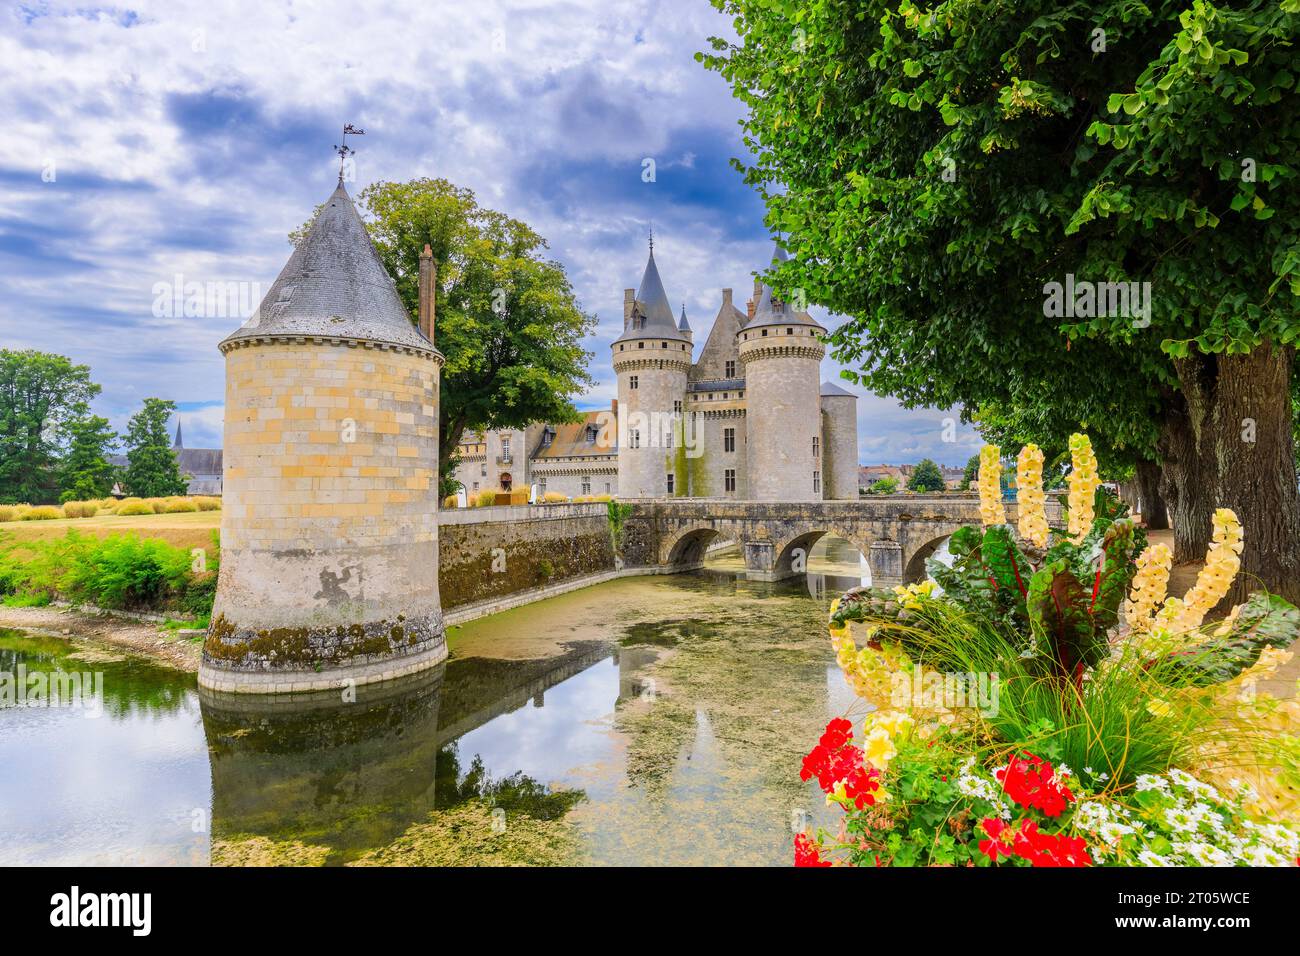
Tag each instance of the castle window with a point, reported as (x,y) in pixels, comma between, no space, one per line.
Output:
(586,484)
(640,345)
(731,370)
(482,472)
(670,483)
(729,479)
(677,406)
(817,447)
(789,331)
(634,438)
(547,437)
(591,434)
(765,333)
(607,487)
(728,439)
(632,381)
(664,344)
(710,396)
(725,396)
(817,482)
(541,486)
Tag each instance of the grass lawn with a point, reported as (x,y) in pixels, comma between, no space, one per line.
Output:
(185,530)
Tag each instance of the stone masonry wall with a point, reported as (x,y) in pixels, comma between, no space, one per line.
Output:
(487,553)
(329,528)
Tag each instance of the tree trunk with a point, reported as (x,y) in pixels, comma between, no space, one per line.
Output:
(1147,477)
(1240,412)
(1189,499)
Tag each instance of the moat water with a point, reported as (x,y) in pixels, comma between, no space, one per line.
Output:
(650,720)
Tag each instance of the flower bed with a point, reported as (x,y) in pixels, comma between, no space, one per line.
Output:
(1043,703)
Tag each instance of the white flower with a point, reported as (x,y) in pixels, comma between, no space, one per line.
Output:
(1205,854)
(1151,858)
(1180,820)
(1149,781)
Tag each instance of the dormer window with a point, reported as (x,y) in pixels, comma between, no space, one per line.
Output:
(591,434)
(547,437)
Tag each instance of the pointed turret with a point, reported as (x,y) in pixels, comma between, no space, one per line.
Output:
(329,525)
(179,442)
(652,316)
(334,286)
(770,310)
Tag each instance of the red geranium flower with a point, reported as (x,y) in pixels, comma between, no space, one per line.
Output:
(805,852)
(834,760)
(1001,838)
(1031,782)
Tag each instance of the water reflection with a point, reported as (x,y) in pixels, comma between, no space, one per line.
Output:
(657,720)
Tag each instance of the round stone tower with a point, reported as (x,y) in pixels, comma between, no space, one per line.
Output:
(781,355)
(651,358)
(840,437)
(329,524)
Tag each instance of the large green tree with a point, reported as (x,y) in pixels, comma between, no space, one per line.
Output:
(152,470)
(39,393)
(936,169)
(85,471)
(926,476)
(507,320)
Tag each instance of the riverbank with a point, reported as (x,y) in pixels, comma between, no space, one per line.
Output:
(140,637)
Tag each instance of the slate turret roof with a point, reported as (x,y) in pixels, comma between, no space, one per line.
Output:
(334,286)
(652,317)
(771,311)
(830,389)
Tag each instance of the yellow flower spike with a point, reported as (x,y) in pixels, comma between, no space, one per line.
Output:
(1221,566)
(1029,496)
(1083,482)
(990,486)
(1150,584)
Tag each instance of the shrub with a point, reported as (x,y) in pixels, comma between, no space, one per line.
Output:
(554,497)
(449,501)
(8,512)
(159,504)
(486,498)
(179,506)
(134,506)
(80,509)
(41,513)
(207,503)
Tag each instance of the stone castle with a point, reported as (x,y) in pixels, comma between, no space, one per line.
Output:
(749,420)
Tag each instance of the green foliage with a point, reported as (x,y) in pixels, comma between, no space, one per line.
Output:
(507,319)
(618,515)
(970,474)
(884,486)
(934,168)
(926,476)
(85,472)
(152,470)
(39,394)
(117,572)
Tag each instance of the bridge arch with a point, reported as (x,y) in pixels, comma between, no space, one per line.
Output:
(914,570)
(805,538)
(686,547)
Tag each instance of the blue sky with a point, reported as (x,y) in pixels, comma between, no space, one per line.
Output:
(154,140)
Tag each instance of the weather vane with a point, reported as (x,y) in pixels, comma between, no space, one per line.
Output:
(345,151)
(652,237)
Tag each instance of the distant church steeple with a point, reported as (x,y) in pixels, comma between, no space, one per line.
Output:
(179,442)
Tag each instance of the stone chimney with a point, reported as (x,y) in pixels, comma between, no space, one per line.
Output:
(629,297)
(428,283)
(726,298)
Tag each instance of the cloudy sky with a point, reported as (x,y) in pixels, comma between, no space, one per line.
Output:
(152,141)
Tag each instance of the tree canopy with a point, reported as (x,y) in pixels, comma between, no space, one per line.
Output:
(39,394)
(152,470)
(975,184)
(926,476)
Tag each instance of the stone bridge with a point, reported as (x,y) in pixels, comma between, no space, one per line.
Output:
(896,532)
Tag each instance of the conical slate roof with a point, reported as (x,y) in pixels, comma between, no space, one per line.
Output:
(652,305)
(830,389)
(683,325)
(334,286)
(769,312)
